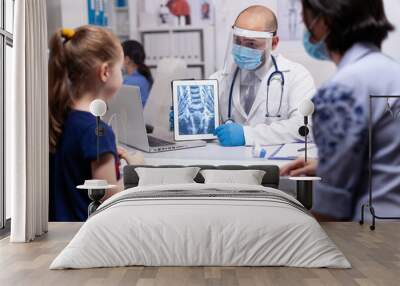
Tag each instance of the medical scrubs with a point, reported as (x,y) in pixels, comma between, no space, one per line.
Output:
(70,165)
(137,79)
(340,125)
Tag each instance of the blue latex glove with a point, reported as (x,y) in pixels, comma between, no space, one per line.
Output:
(230,134)
(171,119)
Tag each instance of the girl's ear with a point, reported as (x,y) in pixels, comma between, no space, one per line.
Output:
(104,72)
(127,60)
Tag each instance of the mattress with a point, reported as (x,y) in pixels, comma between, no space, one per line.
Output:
(201,225)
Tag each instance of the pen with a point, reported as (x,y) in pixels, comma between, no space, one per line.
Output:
(304,149)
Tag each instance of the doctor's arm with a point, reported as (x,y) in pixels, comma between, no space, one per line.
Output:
(300,85)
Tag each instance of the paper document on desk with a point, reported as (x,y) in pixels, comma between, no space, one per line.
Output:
(293,151)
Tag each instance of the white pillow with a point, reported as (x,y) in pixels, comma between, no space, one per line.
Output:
(166,176)
(246,177)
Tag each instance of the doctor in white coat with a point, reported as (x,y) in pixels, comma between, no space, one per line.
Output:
(260,91)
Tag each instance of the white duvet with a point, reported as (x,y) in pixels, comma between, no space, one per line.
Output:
(206,231)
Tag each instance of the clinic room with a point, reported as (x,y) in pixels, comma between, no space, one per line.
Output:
(200,142)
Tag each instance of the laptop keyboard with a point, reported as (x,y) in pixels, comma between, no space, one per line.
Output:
(156,142)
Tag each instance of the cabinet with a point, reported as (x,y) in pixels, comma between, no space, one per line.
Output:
(194,45)
(138,20)
(123,18)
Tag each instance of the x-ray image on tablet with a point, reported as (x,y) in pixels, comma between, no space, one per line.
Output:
(196,113)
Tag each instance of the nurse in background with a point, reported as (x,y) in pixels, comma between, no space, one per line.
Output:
(137,73)
(350,33)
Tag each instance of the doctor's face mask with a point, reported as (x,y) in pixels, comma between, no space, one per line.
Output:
(250,49)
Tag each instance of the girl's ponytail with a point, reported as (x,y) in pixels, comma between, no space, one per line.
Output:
(59,91)
(75,56)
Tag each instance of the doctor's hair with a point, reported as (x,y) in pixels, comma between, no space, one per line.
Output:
(135,52)
(74,62)
(351,21)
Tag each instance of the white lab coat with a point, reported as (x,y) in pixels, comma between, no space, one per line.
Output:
(259,129)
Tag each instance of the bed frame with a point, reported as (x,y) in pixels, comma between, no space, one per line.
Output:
(270,179)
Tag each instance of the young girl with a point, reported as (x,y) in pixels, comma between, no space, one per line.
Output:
(85,64)
(137,73)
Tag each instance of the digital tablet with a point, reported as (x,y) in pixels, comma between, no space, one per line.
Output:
(196,113)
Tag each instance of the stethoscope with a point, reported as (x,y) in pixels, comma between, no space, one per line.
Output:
(277,73)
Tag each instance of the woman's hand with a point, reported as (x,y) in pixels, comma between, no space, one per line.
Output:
(300,168)
(136,158)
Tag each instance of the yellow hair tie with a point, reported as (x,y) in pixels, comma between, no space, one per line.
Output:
(68,33)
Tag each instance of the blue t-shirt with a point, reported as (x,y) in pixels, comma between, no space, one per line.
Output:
(70,165)
(137,79)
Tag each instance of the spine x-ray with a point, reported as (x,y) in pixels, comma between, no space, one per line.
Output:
(196,109)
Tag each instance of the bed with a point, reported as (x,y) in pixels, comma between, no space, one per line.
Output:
(198,224)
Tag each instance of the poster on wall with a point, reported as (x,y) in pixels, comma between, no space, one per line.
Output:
(97,12)
(291,25)
(202,12)
(177,12)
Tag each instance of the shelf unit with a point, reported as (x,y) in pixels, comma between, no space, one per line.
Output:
(166,41)
(123,20)
(194,44)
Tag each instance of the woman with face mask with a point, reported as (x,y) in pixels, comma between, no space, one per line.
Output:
(351,33)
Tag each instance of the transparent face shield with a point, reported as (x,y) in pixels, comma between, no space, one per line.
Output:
(247,49)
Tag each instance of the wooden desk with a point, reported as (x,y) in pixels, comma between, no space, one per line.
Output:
(375,257)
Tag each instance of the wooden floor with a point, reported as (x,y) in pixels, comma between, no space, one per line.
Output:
(375,257)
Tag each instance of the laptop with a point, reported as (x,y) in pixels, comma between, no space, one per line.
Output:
(125,116)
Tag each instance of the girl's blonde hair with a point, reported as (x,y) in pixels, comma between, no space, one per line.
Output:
(75,57)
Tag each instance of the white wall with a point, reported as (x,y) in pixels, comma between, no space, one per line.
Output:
(71,14)
(53,16)
(66,14)
(392,45)
(227,11)
(74,13)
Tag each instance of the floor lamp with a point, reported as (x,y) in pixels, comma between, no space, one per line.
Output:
(304,188)
(96,188)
